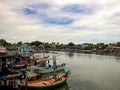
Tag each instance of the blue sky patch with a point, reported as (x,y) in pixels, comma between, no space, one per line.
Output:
(57,21)
(29,11)
(77,9)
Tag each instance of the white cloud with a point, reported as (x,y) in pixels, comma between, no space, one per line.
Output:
(100,26)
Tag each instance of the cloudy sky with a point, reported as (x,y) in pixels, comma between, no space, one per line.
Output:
(62,21)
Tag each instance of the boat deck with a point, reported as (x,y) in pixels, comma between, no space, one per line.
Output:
(46,82)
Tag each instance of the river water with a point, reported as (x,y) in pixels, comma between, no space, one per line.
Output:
(90,71)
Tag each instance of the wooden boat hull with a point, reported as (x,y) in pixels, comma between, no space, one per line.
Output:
(49,87)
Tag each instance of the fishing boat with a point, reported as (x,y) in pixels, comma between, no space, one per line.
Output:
(8,75)
(48,69)
(20,63)
(46,84)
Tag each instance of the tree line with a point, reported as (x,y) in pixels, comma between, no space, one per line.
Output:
(36,43)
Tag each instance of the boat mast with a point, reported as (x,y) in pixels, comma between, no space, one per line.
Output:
(43,51)
(54,65)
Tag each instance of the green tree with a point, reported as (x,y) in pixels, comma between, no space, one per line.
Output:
(4,42)
(27,43)
(19,43)
(36,43)
(101,46)
(71,44)
(118,44)
(47,45)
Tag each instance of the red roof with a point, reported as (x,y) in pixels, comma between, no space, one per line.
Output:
(3,50)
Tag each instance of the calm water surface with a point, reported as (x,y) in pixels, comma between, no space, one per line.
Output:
(91,72)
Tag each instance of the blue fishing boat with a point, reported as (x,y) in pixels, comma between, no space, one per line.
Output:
(48,69)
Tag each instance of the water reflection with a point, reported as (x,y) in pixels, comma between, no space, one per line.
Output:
(70,54)
(83,85)
(117,59)
(63,87)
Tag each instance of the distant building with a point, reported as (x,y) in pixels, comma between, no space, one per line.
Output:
(3,50)
(113,50)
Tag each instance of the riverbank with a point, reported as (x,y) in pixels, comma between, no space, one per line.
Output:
(99,52)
